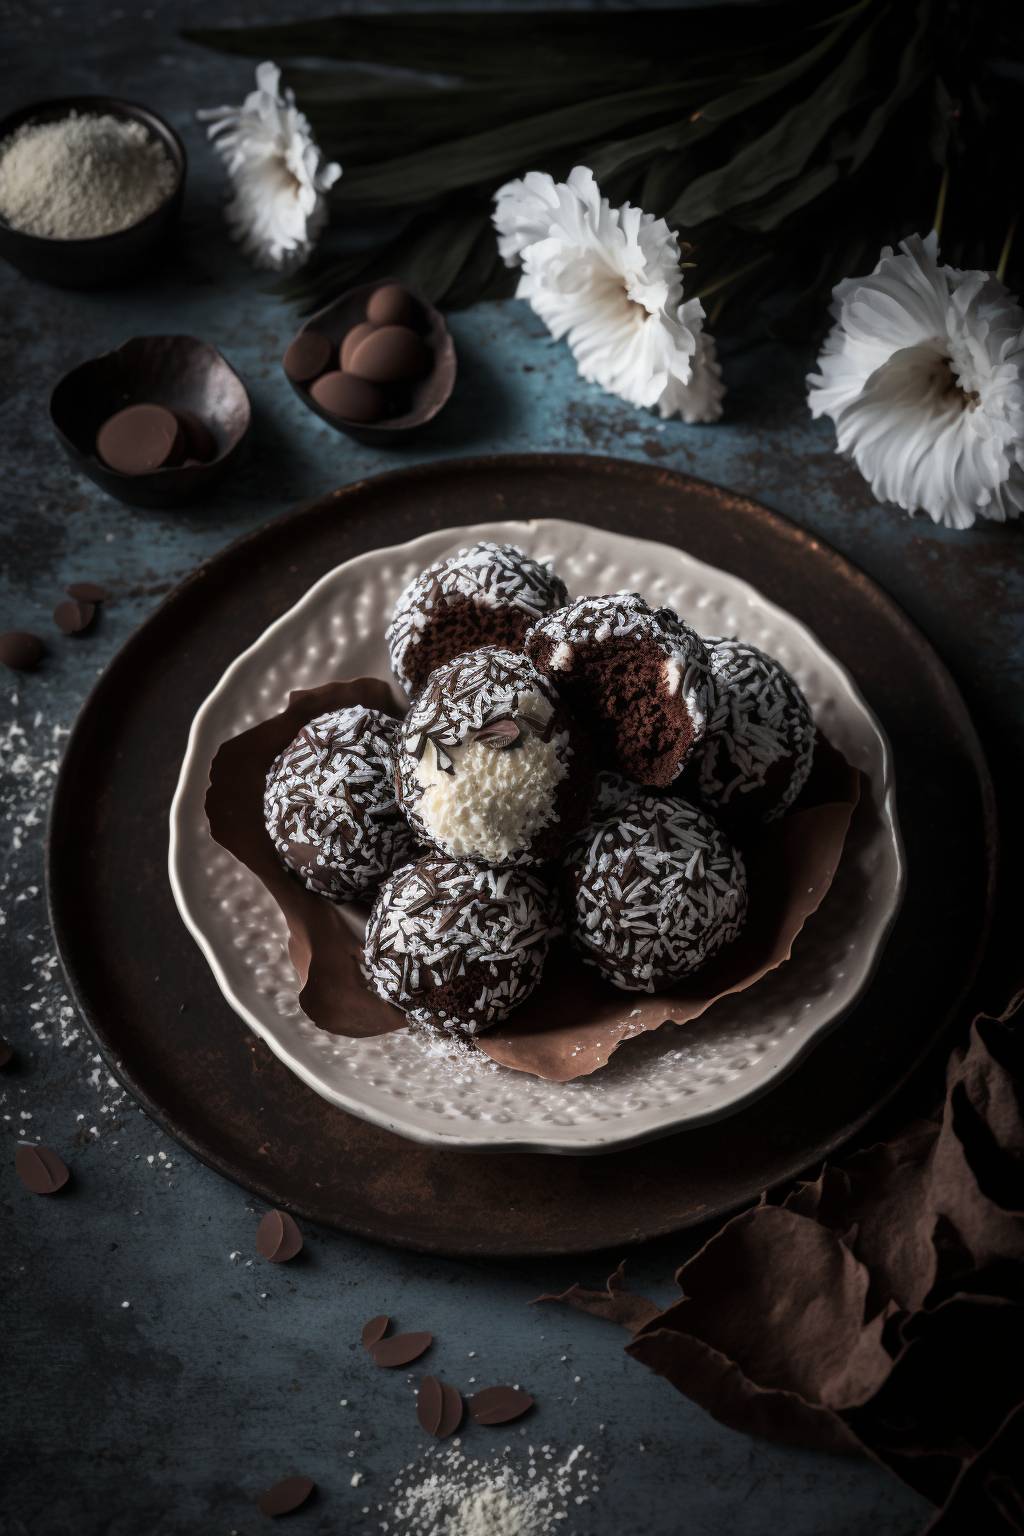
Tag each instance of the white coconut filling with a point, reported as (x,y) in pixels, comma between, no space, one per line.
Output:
(496,801)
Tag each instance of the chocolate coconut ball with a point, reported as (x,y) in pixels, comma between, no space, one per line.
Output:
(330,804)
(653,892)
(640,675)
(458,946)
(759,747)
(488,594)
(490,764)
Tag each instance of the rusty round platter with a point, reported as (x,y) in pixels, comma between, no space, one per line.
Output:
(157,1015)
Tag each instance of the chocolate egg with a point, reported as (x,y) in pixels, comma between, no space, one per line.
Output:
(394,305)
(342,394)
(392,354)
(140,439)
(308,356)
(352,340)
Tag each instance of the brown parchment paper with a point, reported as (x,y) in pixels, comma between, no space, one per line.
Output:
(575,1020)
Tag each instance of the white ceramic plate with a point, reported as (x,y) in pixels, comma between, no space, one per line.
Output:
(456,1097)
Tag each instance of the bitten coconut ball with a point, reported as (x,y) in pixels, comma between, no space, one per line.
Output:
(458,946)
(640,674)
(488,594)
(759,747)
(653,892)
(330,804)
(490,764)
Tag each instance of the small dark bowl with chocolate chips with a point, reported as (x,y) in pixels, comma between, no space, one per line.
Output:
(377,363)
(157,422)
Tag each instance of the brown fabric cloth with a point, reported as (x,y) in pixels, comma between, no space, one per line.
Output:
(879,1308)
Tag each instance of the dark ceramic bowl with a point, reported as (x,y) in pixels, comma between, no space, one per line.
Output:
(429,395)
(177,371)
(106,259)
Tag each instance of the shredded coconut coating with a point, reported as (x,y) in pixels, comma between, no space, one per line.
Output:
(457,946)
(761,733)
(483,753)
(491,575)
(330,804)
(82,176)
(655,891)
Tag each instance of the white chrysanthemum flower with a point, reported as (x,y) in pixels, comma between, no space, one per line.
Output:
(278,174)
(609,280)
(923,375)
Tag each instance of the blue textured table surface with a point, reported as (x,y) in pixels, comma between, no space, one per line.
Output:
(158,1374)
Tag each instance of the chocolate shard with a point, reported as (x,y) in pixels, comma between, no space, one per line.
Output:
(6,1053)
(374,1330)
(499,1405)
(452,1411)
(278,1238)
(284,1497)
(40,1170)
(400,1349)
(430,1404)
(20,650)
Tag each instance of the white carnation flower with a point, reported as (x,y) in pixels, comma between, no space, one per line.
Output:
(923,375)
(609,281)
(278,174)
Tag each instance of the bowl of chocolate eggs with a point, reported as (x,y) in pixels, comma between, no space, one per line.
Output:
(378,362)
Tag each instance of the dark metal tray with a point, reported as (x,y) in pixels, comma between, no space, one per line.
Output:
(156,1012)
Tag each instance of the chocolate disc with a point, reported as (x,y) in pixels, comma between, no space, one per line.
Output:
(349,398)
(393,354)
(374,1330)
(278,1238)
(352,340)
(401,1349)
(40,1170)
(200,443)
(87,591)
(140,439)
(21,651)
(430,1404)
(71,616)
(451,1411)
(499,1405)
(289,1494)
(308,356)
(394,305)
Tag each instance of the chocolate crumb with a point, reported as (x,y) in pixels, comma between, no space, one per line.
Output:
(288,1495)
(401,1349)
(499,1405)
(40,1170)
(72,617)
(20,650)
(278,1238)
(374,1330)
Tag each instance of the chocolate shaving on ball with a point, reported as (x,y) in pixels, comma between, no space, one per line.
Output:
(498,733)
(278,1238)
(499,1405)
(400,1349)
(284,1497)
(40,1170)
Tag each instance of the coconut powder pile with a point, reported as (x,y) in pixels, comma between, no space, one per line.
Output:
(447,1493)
(82,176)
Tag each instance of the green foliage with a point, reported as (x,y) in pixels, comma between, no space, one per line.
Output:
(786,143)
